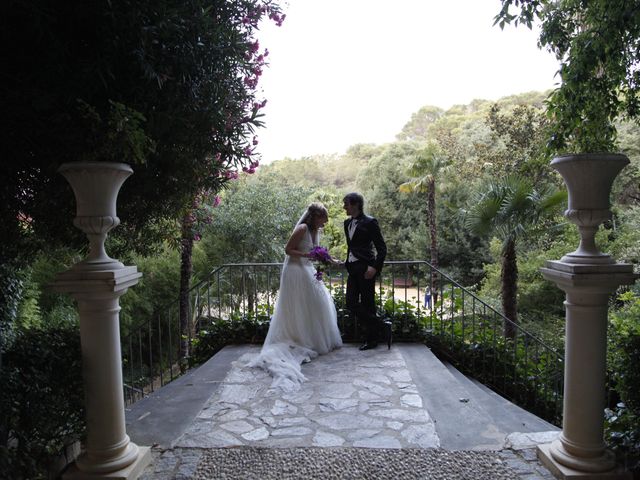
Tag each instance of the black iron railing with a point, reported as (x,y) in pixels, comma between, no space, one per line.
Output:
(421,302)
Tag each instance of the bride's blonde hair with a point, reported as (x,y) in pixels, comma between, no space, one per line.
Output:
(314,210)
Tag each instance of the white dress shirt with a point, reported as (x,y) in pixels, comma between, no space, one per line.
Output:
(351,230)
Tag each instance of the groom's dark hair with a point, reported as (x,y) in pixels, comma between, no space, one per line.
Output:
(354,198)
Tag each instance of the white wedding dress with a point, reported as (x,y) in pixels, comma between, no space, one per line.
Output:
(304,323)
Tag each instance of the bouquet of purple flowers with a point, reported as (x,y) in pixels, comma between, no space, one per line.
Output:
(321,256)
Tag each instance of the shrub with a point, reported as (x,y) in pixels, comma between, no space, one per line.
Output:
(216,333)
(623,416)
(41,400)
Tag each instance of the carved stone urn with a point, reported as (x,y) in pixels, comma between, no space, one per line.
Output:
(589,178)
(96,186)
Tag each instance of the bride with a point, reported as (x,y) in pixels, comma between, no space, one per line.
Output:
(304,323)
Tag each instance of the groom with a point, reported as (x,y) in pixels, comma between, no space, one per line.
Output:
(363,234)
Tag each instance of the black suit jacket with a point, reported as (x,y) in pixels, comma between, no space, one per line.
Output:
(366,236)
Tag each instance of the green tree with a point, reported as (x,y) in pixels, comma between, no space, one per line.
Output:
(402,224)
(252,224)
(417,128)
(427,168)
(509,208)
(596,44)
(169,86)
(108,80)
(519,133)
(626,189)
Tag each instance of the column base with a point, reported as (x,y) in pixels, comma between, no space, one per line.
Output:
(548,452)
(130,472)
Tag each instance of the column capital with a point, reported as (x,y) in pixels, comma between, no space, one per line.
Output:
(589,278)
(80,283)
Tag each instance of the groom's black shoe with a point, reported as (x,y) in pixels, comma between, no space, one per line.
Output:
(368,346)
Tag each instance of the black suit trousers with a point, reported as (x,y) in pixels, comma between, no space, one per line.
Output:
(360,299)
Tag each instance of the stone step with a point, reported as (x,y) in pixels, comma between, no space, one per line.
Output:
(508,416)
(461,422)
(161,417)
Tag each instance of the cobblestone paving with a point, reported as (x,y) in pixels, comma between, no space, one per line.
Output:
(356,417)
(343,463)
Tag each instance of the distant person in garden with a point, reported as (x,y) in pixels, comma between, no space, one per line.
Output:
(363,265)
(304,322)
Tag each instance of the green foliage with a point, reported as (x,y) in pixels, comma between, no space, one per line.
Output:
(119,137)
(10,295)
(401,216)
(519,132)
(626,187)
(41,400)
(625,239)
(216,333)
(596,45)
(509,206)
(625,350)
(427,165)
(252,224)
(333,232)
(532,286)
(624,377)
(40,306)
(417,129)
(157,288)
(325,171)
(167,85)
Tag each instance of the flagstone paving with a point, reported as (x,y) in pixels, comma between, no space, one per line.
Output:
(351,399)
(358,415)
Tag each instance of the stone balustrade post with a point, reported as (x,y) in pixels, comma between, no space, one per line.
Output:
(588,277)
(97,283)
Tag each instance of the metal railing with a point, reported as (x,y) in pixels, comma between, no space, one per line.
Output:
(235,301)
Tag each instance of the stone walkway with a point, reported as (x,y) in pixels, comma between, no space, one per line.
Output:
(350,400)
(359,415)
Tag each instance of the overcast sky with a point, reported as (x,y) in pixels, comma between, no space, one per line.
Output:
(353,71)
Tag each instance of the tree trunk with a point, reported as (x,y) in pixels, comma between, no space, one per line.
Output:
(509,277)
(186,267)
(433,232)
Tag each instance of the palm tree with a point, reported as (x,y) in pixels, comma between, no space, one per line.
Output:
(508,208)
(426,168)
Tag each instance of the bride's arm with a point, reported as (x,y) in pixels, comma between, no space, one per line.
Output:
(291,248)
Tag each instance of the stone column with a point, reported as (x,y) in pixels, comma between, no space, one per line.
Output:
(97,284)
(588,277)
